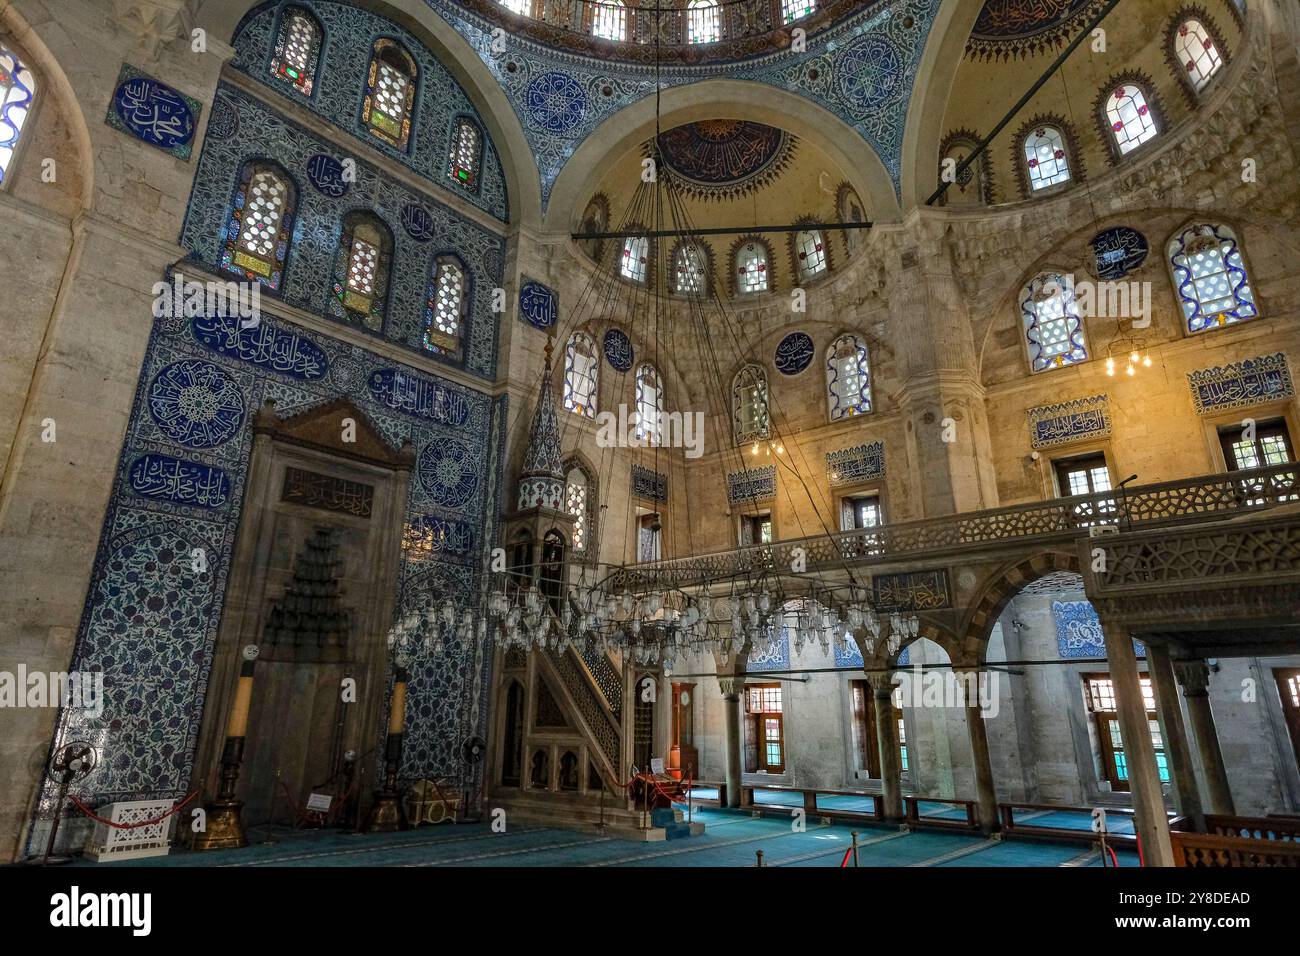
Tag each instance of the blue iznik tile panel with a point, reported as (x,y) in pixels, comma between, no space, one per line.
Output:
(860,463)
(340,87)
(152,615)
(1065,422)
(1251,381)
(1079,634)
(248,129)
(860,69)
(751,484)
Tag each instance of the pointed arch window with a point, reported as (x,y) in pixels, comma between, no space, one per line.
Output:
(261,224)
(579,501)
(1196,51)
(1130,118)
(690,269)
(1046,161)
(362,268)
(17,94)
(750,418)
(752,268)
(792,10)
(848,377)
(649,404)
(810,253)
(581,368)
(466,153)
(704,25)
(297,50)
(1210,277)
(390,93)
(609,20)
(636,250)
(1052,325)
(972,186)
(445,305)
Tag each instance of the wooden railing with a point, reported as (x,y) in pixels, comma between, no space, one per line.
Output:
(1214,850)
(1255,828)
(1185,501)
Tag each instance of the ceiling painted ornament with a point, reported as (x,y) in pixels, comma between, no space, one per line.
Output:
(1007,29)
(724,159)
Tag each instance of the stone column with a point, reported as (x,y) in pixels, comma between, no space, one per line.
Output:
(985,790)
(1195,678)
(1187,796)
(1135,730)
(732,687)
(891,782)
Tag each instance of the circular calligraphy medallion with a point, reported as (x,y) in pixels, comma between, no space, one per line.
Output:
(794,353)
(196,404)
(555,102)
(326,174)
(418,222)
(154,112)
(869,73)
(449,472)
(618,349)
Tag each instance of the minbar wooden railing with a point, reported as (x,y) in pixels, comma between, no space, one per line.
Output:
(1185,501)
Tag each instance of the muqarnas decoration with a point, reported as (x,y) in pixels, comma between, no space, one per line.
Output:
(751,484)
(859,463)
(154,113)
(1052,425)
(648,483)
(1241,384)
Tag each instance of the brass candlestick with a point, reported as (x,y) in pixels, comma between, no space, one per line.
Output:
(224,830)
(387,814)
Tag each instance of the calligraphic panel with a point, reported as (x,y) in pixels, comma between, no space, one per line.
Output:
(911,591)
(327,492)
(1052,425)
(1241,384)
(154,113)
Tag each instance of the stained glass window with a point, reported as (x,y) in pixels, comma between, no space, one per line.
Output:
(576,497)
(749,405)
(689,271)
(703,25)
(362,268)
(522,7)
(633,264)
(581,367)
(1196,51)
(17,93)
(1129,115)
(260,225)
(297,50)
(609,20)
(444,309)
(1052,325)
(751,268)
(848,377)
(649,403)
(1046,158)
(390,93)
(792,10)
(1210,277)
(810,253)
(466,153)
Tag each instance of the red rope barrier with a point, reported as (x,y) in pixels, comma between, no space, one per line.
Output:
(128,826)
(845,862)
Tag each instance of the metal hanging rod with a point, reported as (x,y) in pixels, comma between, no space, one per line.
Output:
(717,231)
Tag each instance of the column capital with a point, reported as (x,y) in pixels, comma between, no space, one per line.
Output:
(732,685)
(1194,676)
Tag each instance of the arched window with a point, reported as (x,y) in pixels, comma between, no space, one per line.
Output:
(581,367)
(595,218)
(649,404)
(749,415)
(361,269)
(390,93)
(703,25)
(792,10)
(297,50)
(466,153)
(809,253)
(445,305)
(522,7)
(580,502)
(848,377)
(1046,162)
(1129,116)
(1210,277)
(636,249)
(609,20)
(752,267)
(1052,325)
(261,224)
(17,94)
(1196,51)
(973,186)
(849,207)
(690,269)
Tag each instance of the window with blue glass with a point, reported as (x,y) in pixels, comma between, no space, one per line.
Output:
(1051,322)
(581,367)
(17,96)
(297,50)
(390,93)
(361,268)
(1210,278)
(848,377)
(1099,691)
(261,224)
(445,305)
(466,153)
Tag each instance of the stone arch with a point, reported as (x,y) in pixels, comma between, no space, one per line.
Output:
(627,129)
(222,18)
(998,591)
